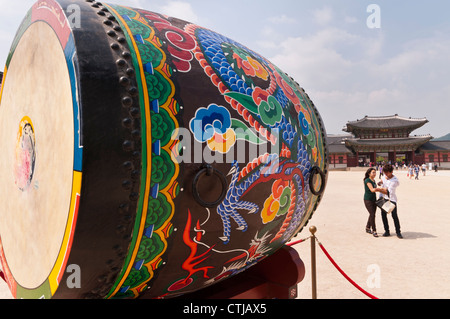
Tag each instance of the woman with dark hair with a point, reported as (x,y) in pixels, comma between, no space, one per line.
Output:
(370,189)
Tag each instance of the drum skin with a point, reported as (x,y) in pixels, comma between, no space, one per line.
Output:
(190,158)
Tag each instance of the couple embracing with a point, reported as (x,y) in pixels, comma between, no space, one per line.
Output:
(387,187)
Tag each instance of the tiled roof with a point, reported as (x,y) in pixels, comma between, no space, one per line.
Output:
(387,122)
(414,140)
(443,138)
(436,146)
(336,143)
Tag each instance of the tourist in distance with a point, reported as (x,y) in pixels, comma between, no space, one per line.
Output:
(416,171)
(389,183)
(410,171)
(370,189)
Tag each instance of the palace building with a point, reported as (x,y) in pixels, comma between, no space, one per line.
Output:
(385,139)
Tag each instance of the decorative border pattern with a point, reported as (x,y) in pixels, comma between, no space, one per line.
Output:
(159,185)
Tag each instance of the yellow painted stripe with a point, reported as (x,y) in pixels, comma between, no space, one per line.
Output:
(56,273)
(3,82)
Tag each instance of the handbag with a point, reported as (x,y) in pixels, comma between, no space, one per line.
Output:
(386,205)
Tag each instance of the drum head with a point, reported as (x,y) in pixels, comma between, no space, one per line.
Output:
(36,164)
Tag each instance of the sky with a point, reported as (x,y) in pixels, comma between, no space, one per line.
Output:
(353,57)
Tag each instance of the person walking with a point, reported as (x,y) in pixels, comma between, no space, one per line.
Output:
(389,183)
(370,189)
(416,171)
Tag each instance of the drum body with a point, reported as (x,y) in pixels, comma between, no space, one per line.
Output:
(143,155)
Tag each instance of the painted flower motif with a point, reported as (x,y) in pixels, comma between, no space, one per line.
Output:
(278,202)
(222,142)
(250,66)
(210,120)
(270,111)
(270,209)
(213,125)
(303,123)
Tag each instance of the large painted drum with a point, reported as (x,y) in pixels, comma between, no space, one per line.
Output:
(142,155)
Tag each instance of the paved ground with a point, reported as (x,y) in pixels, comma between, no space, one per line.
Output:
(387,267)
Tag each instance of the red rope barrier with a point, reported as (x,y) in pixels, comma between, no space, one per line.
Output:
(297,242)
(342,272)
(2,275)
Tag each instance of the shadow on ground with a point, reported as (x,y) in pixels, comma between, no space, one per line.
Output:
(416,235)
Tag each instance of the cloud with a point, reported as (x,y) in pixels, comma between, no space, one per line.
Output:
(350,20)
(282,19)
(323,16)
(316,58)
(11,15)
(348,75)
(181,10)
(16,7)
(138,4)
(177,9)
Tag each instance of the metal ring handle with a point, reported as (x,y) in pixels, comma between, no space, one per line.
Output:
(317,171)
(208,170)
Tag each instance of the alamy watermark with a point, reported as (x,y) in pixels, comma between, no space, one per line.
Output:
(374,19)
(374,279)
(239,144)
(74,16)
(74,279)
